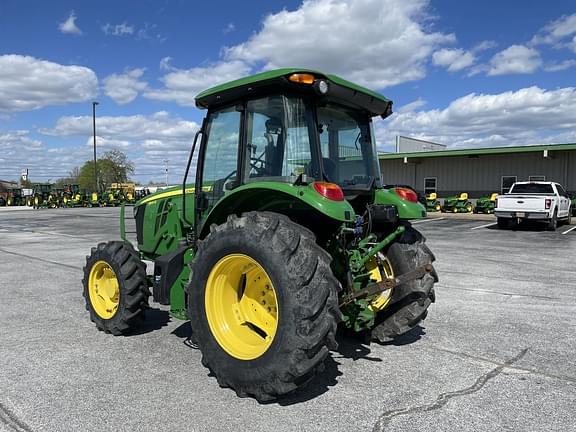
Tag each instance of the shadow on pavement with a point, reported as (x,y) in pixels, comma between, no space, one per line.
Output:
(154,319)
(354,348)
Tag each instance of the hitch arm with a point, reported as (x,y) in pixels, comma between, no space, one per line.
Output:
(388,284)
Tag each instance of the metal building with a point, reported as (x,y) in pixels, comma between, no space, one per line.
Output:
(480,171)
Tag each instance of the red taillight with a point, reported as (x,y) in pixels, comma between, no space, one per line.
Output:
(329,190)
(407,194)
(548,203)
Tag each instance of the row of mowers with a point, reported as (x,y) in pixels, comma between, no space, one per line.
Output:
(461,204)
(45,195)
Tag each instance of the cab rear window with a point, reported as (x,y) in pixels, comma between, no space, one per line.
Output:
(532,188)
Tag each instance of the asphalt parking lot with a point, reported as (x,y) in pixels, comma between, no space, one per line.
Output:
(496,352)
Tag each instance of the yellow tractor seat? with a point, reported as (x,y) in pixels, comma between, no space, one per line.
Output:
(493,196)
(463,196)
(432,196)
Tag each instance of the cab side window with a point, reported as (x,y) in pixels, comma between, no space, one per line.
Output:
(220,154)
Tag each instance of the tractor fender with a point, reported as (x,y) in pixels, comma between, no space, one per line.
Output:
(284,198)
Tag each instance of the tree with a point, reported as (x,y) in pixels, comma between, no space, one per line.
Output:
(113,167)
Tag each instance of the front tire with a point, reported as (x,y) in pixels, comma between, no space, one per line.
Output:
(410,301)
(115,287)
(269,359)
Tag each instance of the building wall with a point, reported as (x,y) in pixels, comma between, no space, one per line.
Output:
(480,175)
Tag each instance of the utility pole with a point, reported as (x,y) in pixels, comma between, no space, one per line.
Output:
(94,135)
(166,170)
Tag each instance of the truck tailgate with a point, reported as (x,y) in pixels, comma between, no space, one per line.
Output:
(523,203)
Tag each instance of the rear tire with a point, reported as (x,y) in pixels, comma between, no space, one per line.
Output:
(410,300)
(132,297)
(553,222)
(306,300)
(503,223)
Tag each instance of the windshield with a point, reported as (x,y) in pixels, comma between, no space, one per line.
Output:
(281,143)
(532,188)
(349,155)
(278,140)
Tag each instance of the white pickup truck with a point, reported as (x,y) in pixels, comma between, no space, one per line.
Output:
(543,201)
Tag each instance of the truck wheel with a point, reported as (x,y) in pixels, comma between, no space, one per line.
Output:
(553,222)
(115,287)
(410,301)
(263,305)
(503,223)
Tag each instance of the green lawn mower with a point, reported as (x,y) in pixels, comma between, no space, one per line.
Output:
(433,203)
(457,204)
(285,234)
(572,196)
(73,197)
(486,204)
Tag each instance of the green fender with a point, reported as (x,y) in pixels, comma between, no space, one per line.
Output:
(274,196)
(406,209)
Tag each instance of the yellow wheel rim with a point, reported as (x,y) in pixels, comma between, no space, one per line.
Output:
(36,200)
(241,306)
(103,289)
(379,269)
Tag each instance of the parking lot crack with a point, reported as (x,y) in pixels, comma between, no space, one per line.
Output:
(479,290)
(13,423)
(40,259)
(443,398)
(513,367)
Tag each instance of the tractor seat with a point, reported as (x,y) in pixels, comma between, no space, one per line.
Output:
(463,196)
(493,197)
(432,196)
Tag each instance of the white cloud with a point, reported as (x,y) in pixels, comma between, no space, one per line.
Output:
(28,83)
(165,64)
(526,116)
(516,59)
(182,85)
(556,31)
(146,139)
(484,45)
(118,29)
(20,150)
(69,25)
(123,88)
(453,59)
(377,43)
(412,106)
(229,28)
(172,132)
(559,66)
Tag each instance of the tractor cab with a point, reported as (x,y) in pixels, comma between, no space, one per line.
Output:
(289,134)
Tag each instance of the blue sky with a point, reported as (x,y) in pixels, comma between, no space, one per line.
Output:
(465,74)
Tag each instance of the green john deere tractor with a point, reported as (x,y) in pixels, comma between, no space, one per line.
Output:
(433,203)
(41,195)
(285,233)
(457,204)
(486,204)
(15,197)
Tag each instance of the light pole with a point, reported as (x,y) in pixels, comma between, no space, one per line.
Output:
(94,135)
(166,170)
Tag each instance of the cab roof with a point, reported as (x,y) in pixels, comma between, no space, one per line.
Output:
(277,80)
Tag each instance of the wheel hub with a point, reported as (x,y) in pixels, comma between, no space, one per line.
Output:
(103,289)
(241,306)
